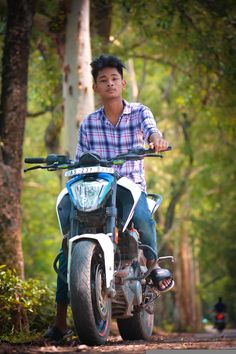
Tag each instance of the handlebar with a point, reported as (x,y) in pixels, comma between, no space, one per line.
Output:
(54,162)
(142,151)
(35,160)
(50,159)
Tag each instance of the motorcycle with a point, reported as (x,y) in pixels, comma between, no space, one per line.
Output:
(107,274)
(220,321)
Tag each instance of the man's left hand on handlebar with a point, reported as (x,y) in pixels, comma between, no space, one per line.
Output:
(158,143)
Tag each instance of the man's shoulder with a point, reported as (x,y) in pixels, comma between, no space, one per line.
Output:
(93,116)
(134,107)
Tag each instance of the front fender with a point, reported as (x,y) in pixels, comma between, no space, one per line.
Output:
(108,250)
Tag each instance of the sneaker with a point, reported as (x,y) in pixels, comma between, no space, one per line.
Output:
(54,334)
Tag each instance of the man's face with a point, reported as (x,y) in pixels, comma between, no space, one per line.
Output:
(109,84)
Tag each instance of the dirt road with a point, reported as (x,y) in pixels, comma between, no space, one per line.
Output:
(209,340)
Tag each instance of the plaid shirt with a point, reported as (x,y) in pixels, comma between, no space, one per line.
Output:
(134,128)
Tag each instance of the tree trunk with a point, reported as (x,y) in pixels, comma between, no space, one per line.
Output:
(187,301)
(184,283)
(132,83)
(12,123)
(77,85)
(195,293)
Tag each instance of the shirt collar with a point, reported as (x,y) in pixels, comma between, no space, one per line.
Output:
(127,109)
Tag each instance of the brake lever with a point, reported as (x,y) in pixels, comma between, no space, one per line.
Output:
(34,168)
(47,167)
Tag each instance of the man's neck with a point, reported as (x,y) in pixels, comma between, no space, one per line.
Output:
(113,110)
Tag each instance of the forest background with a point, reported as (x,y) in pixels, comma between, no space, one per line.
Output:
(180,58)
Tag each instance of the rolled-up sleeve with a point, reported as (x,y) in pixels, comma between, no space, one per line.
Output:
(148,123)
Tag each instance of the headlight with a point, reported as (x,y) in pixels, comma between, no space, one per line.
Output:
(88,195)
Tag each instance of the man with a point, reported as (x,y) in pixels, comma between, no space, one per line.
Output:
(220,306)
(114,129)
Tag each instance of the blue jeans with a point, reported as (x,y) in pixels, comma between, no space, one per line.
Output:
(146,227)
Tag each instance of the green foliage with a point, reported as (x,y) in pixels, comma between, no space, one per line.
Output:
(26,306)
(44,74)
(41,235)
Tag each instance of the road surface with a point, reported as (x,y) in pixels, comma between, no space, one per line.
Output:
(211,339)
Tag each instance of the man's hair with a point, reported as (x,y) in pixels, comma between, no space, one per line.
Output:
(106,61)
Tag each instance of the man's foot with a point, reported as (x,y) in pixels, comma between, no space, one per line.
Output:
(162,279)
(54,334)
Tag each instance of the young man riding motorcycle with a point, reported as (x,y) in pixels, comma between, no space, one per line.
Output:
(114,129)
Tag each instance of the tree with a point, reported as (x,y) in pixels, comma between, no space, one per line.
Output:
(77,84)
(12,123)
(100,24)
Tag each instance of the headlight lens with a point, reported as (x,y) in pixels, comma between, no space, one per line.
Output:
(88,195)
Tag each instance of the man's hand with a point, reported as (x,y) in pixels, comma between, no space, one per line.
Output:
(157,143)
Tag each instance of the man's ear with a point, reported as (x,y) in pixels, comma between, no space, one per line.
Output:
(123,84)
(94,87)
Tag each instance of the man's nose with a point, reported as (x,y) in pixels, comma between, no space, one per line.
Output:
(110,83)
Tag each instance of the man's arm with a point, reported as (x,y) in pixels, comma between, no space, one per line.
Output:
(152,134)
(82,144)
(157,142)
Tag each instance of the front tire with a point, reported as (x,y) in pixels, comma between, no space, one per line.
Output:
(138,327)
(91,307)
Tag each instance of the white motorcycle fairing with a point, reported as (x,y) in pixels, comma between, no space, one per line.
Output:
(61,195)
(135,192)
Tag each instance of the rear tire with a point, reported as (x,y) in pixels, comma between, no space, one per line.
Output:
(91,307)
(140,326)
(221,327)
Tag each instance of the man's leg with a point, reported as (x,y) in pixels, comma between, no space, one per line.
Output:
(63,210)
(62,295)
(146,227)
(59,330)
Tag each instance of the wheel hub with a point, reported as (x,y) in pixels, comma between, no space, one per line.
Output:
(101,296)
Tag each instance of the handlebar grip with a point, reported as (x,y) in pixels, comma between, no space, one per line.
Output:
(35,160)
(168,149)
(150,150)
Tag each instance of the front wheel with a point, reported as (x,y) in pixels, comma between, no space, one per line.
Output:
(91,307)
(140,326)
